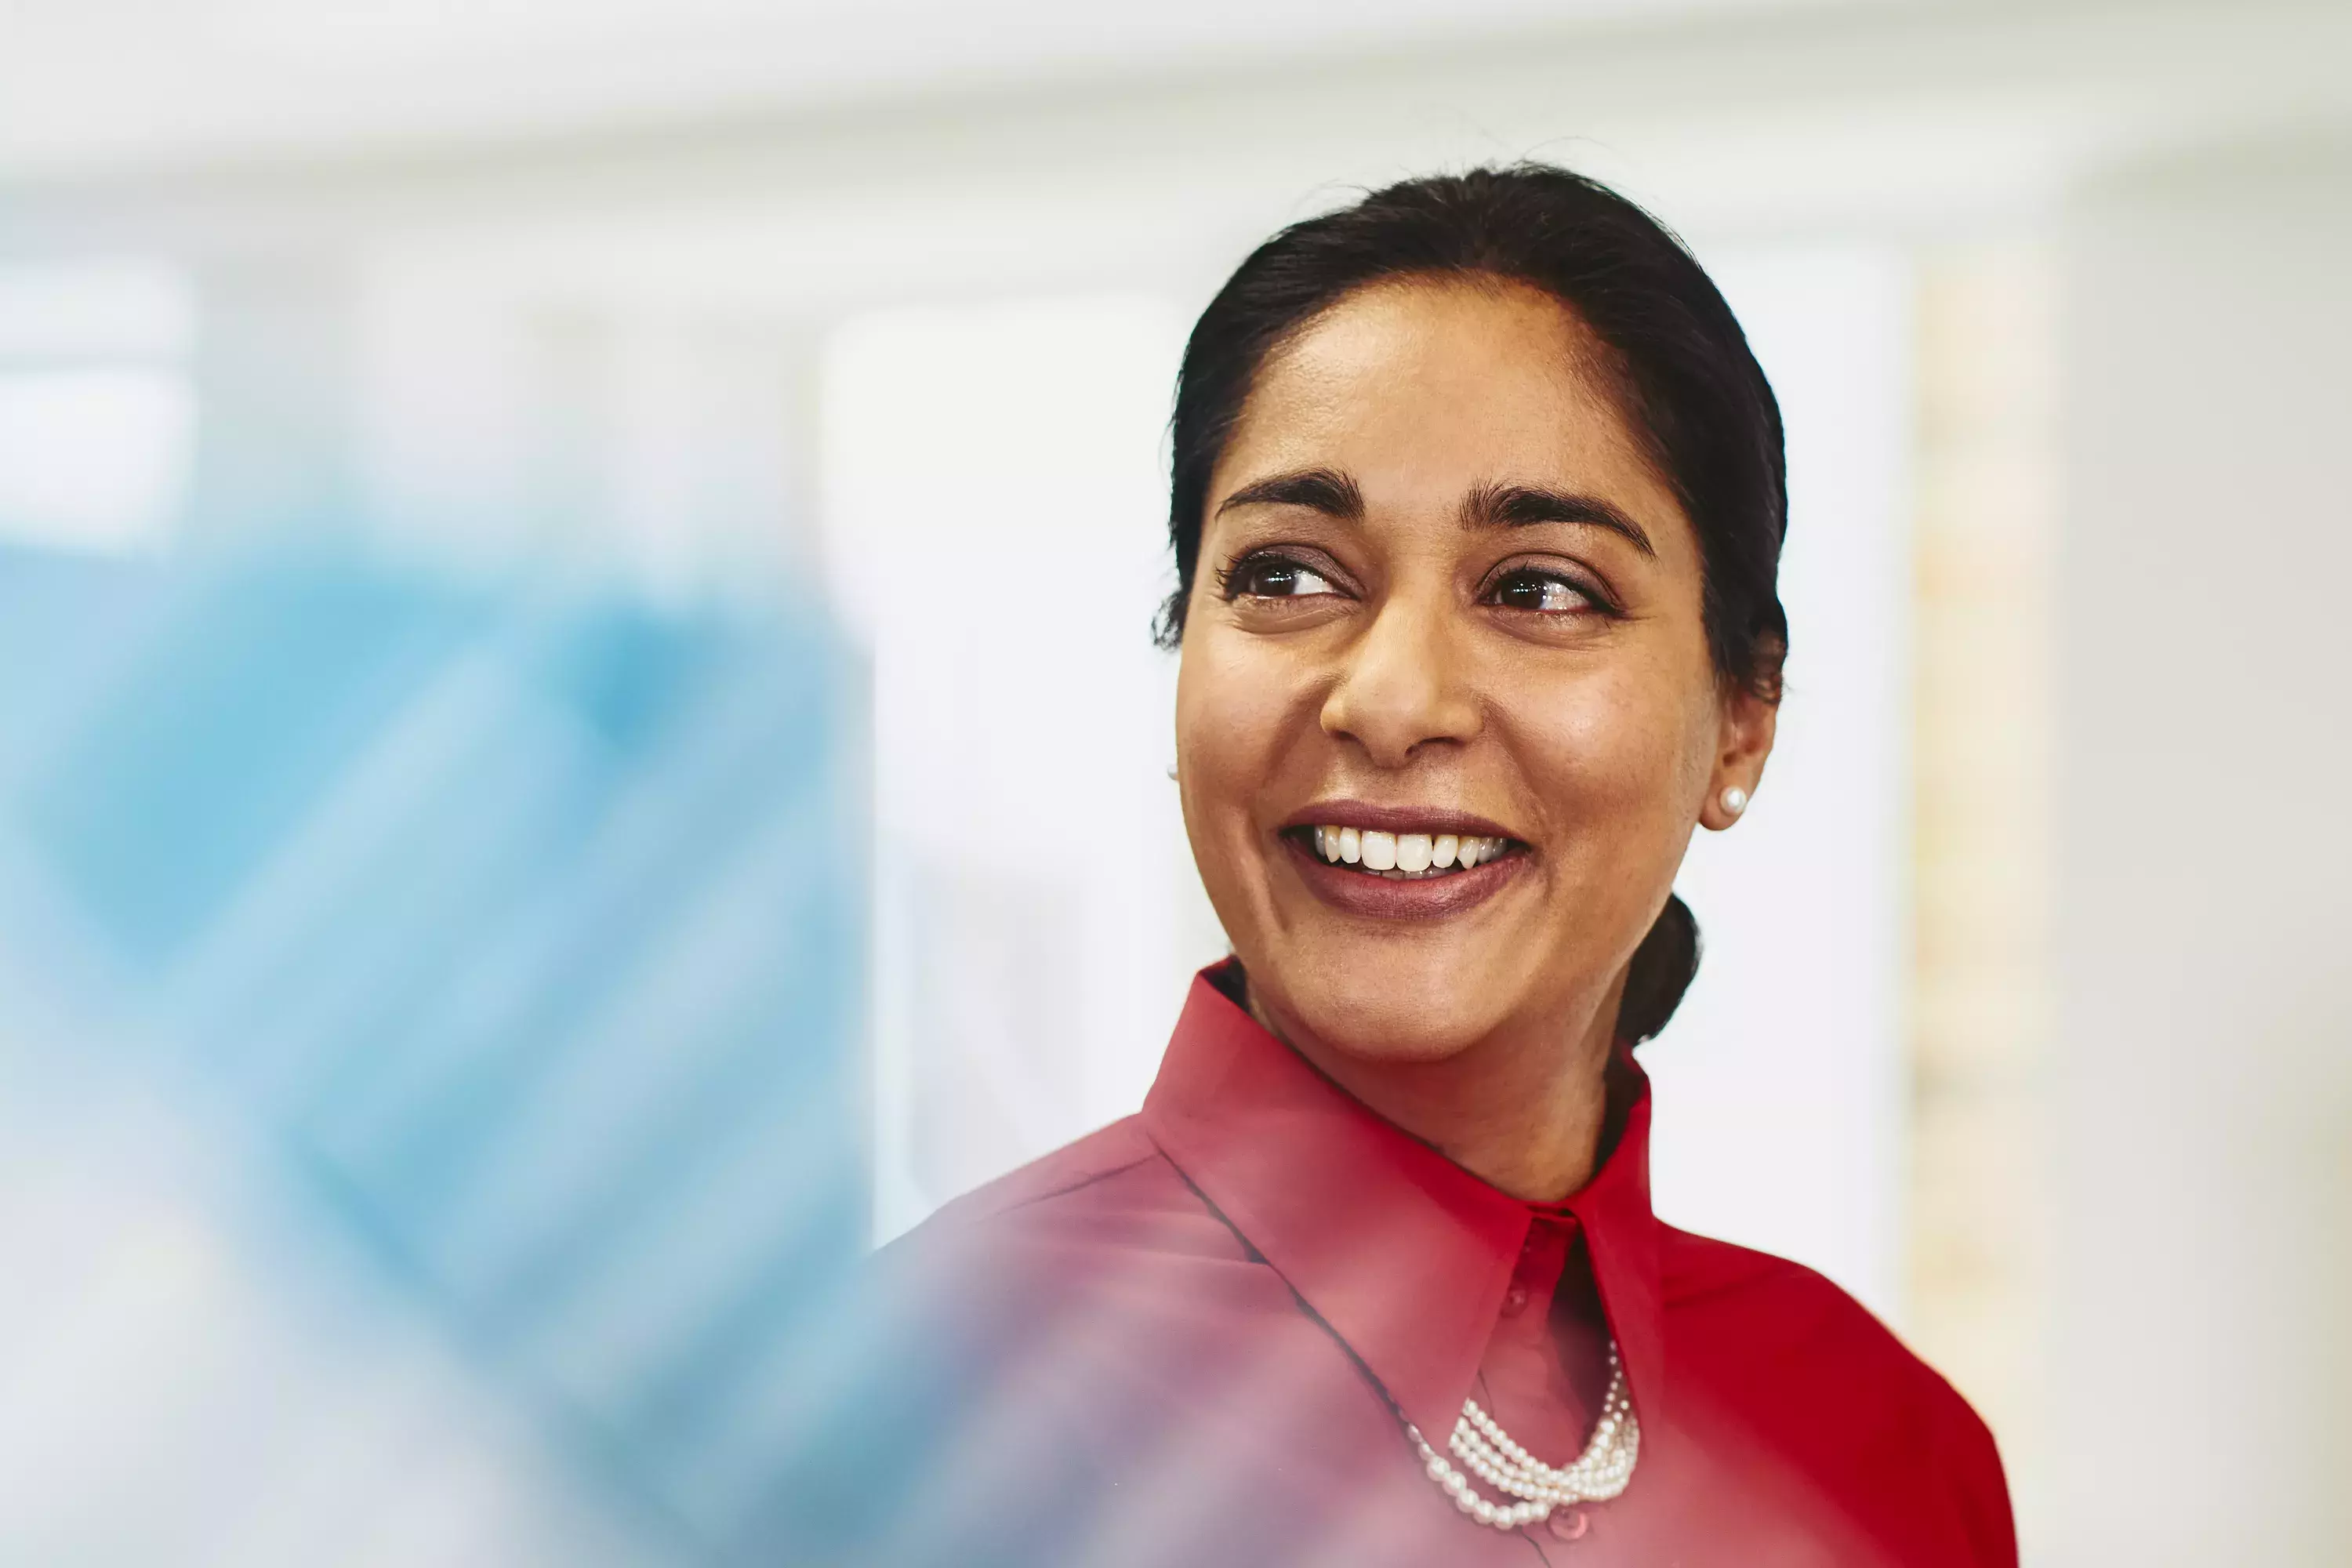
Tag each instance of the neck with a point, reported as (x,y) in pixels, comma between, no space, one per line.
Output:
(1522,1110)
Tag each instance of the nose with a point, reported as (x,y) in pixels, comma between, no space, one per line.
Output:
(1400,687)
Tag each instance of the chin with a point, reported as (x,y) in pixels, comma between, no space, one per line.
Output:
(1384,1007)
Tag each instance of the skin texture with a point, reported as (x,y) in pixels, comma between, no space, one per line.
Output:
(1408,648)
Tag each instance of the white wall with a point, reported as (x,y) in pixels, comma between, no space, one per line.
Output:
(1781,1082)
(994,506)
(2202,1107)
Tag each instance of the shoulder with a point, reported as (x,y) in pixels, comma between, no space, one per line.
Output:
(1735,1302)
(1782,1346)
(1772,1294)
(1052,1180)
(1757,1294)
(958,1338)
(1109,1209)
(1111,1191)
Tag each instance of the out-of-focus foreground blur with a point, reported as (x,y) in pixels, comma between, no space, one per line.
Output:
(578,738)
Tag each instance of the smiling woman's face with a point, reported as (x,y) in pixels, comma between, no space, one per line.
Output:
(1445,611)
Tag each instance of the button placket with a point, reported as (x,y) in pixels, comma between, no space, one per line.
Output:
(1540,1242)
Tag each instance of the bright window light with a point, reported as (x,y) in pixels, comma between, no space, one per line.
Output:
(98,309)
(94,459)
(96,408)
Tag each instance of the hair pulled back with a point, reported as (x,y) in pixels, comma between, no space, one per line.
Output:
(1690,390)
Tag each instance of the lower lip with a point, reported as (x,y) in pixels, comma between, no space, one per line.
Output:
(1401,898)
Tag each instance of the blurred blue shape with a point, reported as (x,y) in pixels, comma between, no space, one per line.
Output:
(529,924)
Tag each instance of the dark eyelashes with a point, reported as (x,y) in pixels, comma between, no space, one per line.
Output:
(1601,600)
(1233,578)
(1230,572)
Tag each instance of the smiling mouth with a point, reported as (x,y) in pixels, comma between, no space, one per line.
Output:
(1401,857)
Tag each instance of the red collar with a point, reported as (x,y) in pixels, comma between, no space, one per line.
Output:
(1403,1253)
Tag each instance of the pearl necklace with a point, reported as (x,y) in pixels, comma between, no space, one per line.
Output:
(1599,1474)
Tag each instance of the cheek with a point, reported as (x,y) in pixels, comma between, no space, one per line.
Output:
(1619,758)
(1234,713)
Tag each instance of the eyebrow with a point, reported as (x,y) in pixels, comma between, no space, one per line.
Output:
(1326,490)
(1516,506)
(1335,494)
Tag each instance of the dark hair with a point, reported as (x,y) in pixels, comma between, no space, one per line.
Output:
(1690,389)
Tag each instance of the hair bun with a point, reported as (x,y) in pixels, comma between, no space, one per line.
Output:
(1662,970)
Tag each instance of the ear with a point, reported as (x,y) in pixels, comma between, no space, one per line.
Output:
(1746,732)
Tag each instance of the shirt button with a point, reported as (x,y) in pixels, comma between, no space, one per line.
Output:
(1515,1300)
(1569,1523)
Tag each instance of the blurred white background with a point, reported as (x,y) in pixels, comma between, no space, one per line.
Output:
(2022,1012)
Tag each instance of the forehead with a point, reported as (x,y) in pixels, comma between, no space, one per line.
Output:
(1420,388)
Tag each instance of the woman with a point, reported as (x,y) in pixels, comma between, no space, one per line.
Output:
(1477,506)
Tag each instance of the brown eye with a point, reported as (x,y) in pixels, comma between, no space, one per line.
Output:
(1540,591)
(1275,577)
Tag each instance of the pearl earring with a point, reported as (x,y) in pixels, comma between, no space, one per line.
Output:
(1735,800)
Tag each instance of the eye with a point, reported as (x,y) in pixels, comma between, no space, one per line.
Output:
(1545,592)
(1275,577)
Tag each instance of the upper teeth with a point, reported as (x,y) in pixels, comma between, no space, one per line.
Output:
(1405,853)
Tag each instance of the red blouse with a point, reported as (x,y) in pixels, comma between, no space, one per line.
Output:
(1190,1338)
